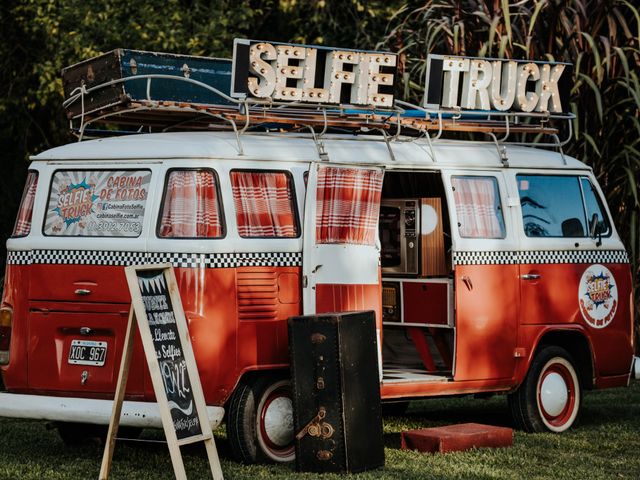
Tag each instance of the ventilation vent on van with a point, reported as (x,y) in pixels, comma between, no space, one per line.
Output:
(257,294)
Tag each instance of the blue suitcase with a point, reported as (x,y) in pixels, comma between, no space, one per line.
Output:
(122,78)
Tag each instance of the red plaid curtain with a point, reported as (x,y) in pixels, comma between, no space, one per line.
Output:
(476,201)
(264,204)
(348,205)
(191,207)
(22,226)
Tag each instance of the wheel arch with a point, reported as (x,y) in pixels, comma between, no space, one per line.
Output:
(577,344)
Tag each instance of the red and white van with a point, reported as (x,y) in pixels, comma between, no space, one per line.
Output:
(491,270)
(484,278)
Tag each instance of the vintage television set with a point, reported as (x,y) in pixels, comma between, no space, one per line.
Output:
(399,236)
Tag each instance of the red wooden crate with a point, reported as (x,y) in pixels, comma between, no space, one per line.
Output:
(454,438)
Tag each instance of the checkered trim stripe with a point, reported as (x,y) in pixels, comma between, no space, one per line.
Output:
(540,256)
(179,260)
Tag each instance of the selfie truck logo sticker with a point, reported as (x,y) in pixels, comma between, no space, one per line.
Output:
(598,296)
(75,202)
(97,203)
(466,83)
(313,75)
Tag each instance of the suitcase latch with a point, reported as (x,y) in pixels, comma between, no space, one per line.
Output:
(317,338)
(317,427)
(324,455)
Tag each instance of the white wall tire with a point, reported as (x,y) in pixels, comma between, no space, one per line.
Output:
(558,394)
(550,398)
(260,420)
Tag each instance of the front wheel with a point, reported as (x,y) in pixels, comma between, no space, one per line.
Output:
(260,420)
(550,397)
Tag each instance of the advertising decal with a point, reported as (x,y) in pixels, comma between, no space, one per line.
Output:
(97,203)
(598,296)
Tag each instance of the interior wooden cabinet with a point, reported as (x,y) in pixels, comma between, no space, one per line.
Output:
(432,254)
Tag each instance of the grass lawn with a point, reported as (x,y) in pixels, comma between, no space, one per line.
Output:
(606,444)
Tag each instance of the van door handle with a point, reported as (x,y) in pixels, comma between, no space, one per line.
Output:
(530,276)
(82,291)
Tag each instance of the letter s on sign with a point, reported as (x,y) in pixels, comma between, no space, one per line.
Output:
(258,53)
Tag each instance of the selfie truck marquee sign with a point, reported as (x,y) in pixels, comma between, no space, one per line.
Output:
(312,75)
(490,84)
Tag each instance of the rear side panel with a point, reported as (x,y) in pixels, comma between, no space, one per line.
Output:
(15,294)
(249,303)
(52,329)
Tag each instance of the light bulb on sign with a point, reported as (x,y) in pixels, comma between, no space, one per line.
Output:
(527,101)
(333,68)
(503,84)
(282,92)
(451,81)
(547,88)
(375,78)
(259,56)
(475,85)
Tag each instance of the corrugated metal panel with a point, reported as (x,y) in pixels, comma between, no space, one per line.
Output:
(257,292)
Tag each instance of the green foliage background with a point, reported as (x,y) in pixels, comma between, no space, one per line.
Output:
(600,37)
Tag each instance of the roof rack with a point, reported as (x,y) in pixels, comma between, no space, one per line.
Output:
(243,115)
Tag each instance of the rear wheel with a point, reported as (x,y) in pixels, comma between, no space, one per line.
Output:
(260,420)
(550,397)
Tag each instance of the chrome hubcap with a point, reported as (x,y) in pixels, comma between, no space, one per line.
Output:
(278,421)
(554,394)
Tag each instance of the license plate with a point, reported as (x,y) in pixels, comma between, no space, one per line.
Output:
(87,352)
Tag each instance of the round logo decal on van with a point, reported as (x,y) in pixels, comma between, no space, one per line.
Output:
(598,296)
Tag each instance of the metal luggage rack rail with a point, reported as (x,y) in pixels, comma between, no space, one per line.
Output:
(243,115)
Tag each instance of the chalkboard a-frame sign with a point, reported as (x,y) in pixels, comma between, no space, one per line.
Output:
(157,310)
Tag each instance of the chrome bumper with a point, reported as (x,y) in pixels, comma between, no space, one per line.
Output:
(86,410)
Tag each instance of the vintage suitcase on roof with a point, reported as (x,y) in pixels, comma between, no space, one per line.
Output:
(336,392)
(122,64)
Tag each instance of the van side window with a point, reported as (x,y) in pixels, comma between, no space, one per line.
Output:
(552,206)
(264,202)
(478,207)
(348,205)
(191,205)
(22,227)
(594,207)
(97,203)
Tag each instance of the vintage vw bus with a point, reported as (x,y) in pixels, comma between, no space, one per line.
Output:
(492,268)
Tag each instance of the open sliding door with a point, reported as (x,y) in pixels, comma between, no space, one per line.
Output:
(486,273)
(341,254)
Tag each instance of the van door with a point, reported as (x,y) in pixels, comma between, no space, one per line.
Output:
(567,277)
(485,273)
(340,260)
